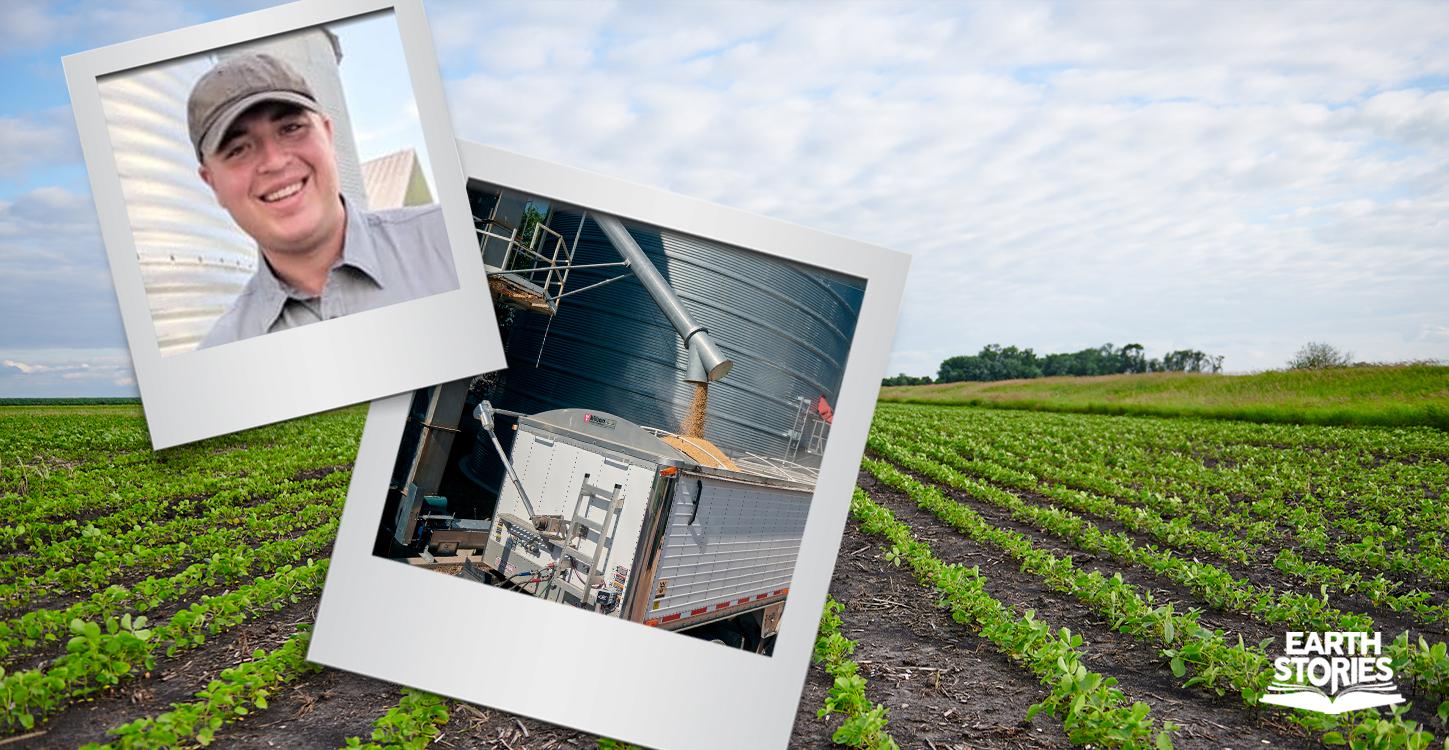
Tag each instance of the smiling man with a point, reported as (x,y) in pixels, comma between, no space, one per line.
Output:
(266,151)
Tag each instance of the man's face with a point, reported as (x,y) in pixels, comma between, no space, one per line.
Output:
(276,174)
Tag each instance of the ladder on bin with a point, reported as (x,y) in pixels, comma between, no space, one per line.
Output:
(578,528)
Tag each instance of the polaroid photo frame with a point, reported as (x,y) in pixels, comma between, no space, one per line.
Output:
(179,259)
(441,632)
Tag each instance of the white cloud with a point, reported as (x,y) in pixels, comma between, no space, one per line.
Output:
(1065,175)
(59,372)
(1238,179)
(30,25)
(21,366)
(1435,332)
(25,23)
(55,289)
(42,140)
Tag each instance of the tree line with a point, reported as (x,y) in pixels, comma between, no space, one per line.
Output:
(997,362)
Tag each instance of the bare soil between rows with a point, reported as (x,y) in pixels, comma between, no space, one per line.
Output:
(62,597)
(1205,720)
(47,651)
(173,680)
(945,686)
(1234,623)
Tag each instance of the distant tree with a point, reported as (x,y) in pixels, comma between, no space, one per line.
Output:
(961,367)
(1133,359)
(1104,360)
(997,362)
(1057,364)
(1317,355)
(1189,360)
(993,362)
(1183,360)
(904,379)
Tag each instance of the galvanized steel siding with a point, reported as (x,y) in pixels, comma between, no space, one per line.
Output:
(788,329)
(193,258)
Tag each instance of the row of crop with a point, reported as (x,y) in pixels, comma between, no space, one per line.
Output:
(1211,659)
(36,627)
(1373,485)
(1115,470)
(1179,532)
(1359,492)
(68,435)
(102,655)
(129,501)
(865,723)
(1378,488)
(315,509)
(227,508)
(1217,587)
(412,724)
(1354,528)
(1039,457)
(1408,444)
(1089,705)
(106,485)
(1203,437)
(229,697)
(1217,513)
(123,510)
(1321,505)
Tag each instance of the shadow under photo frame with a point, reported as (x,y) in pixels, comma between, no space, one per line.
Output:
(568,665)
(178,260)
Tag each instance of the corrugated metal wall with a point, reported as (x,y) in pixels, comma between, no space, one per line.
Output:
(788,329)
(194,260)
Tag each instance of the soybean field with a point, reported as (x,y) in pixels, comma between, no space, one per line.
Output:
(1007,579)
(164,599)
(1046,580)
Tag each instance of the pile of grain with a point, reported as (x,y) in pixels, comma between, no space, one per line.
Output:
(701,451)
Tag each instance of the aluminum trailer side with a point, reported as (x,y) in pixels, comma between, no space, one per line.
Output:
(611,518)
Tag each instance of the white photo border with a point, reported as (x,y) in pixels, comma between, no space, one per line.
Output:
(367,355)
(628,682)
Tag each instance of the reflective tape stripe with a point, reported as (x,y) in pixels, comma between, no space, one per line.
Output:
(717,607)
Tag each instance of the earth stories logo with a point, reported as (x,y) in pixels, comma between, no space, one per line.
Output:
(1332,673)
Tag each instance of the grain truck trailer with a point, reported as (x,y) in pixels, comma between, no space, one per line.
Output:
(594,510)
(645,525)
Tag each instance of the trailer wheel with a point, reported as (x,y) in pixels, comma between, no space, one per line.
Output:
(722,632)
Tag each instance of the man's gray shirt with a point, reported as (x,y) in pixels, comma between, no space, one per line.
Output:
(387,257)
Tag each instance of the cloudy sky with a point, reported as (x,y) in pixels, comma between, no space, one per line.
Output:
(1236,178)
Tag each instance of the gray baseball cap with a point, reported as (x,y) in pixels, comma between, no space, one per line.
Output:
(236,85)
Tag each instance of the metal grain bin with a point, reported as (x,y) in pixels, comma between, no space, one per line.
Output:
(787,328)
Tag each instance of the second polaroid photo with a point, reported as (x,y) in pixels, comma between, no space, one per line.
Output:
(281,203)
(630,529)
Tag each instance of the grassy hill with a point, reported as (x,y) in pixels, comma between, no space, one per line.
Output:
(1391,395)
